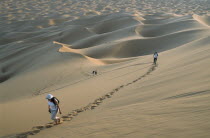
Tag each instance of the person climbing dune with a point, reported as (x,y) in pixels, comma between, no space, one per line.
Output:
(155,57)
(53,108)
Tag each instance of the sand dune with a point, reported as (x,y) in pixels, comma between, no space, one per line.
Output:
(65,48)
(53,47)
(153,105)
(205,20)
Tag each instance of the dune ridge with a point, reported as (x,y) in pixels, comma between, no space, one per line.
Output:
(66,48)
(45,49)
(205,20)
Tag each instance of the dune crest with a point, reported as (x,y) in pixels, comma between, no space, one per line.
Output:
(205,20)
(66,48)
(54,46)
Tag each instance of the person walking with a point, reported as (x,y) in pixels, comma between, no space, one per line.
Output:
(155,57)
(53,108)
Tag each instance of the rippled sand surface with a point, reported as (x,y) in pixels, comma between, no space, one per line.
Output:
(49,46)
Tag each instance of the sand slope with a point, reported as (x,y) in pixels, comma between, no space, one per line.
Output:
(169,102)
(130,97)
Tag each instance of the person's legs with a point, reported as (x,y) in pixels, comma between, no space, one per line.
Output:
(155,60)
(54,117)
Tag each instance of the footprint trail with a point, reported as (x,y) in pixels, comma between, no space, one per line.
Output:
(90,106)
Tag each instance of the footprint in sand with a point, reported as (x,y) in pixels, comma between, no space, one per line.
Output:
(61,121)
(74,113)
(112,92)
(143,76)
(33,132)
(86,108)
(49,125)
(79,110)
(134,81)
(25,134)
(39,127)
(108,95)
(67,119)
(97,102)
(139,78)
(66,116)
(117,89)
(121,86)
(104,97)
(93,106)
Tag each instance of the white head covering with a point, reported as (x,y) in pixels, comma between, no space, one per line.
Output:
(49,96)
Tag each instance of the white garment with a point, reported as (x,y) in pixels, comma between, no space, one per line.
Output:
(52,106)
(53,114)
(155,55)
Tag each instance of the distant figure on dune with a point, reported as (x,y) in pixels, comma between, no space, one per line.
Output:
(94,72)
(53,107)
(155,57)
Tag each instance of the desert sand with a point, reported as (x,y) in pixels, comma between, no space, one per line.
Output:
(49,46)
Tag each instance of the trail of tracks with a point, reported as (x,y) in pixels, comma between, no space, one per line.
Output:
(90,106)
